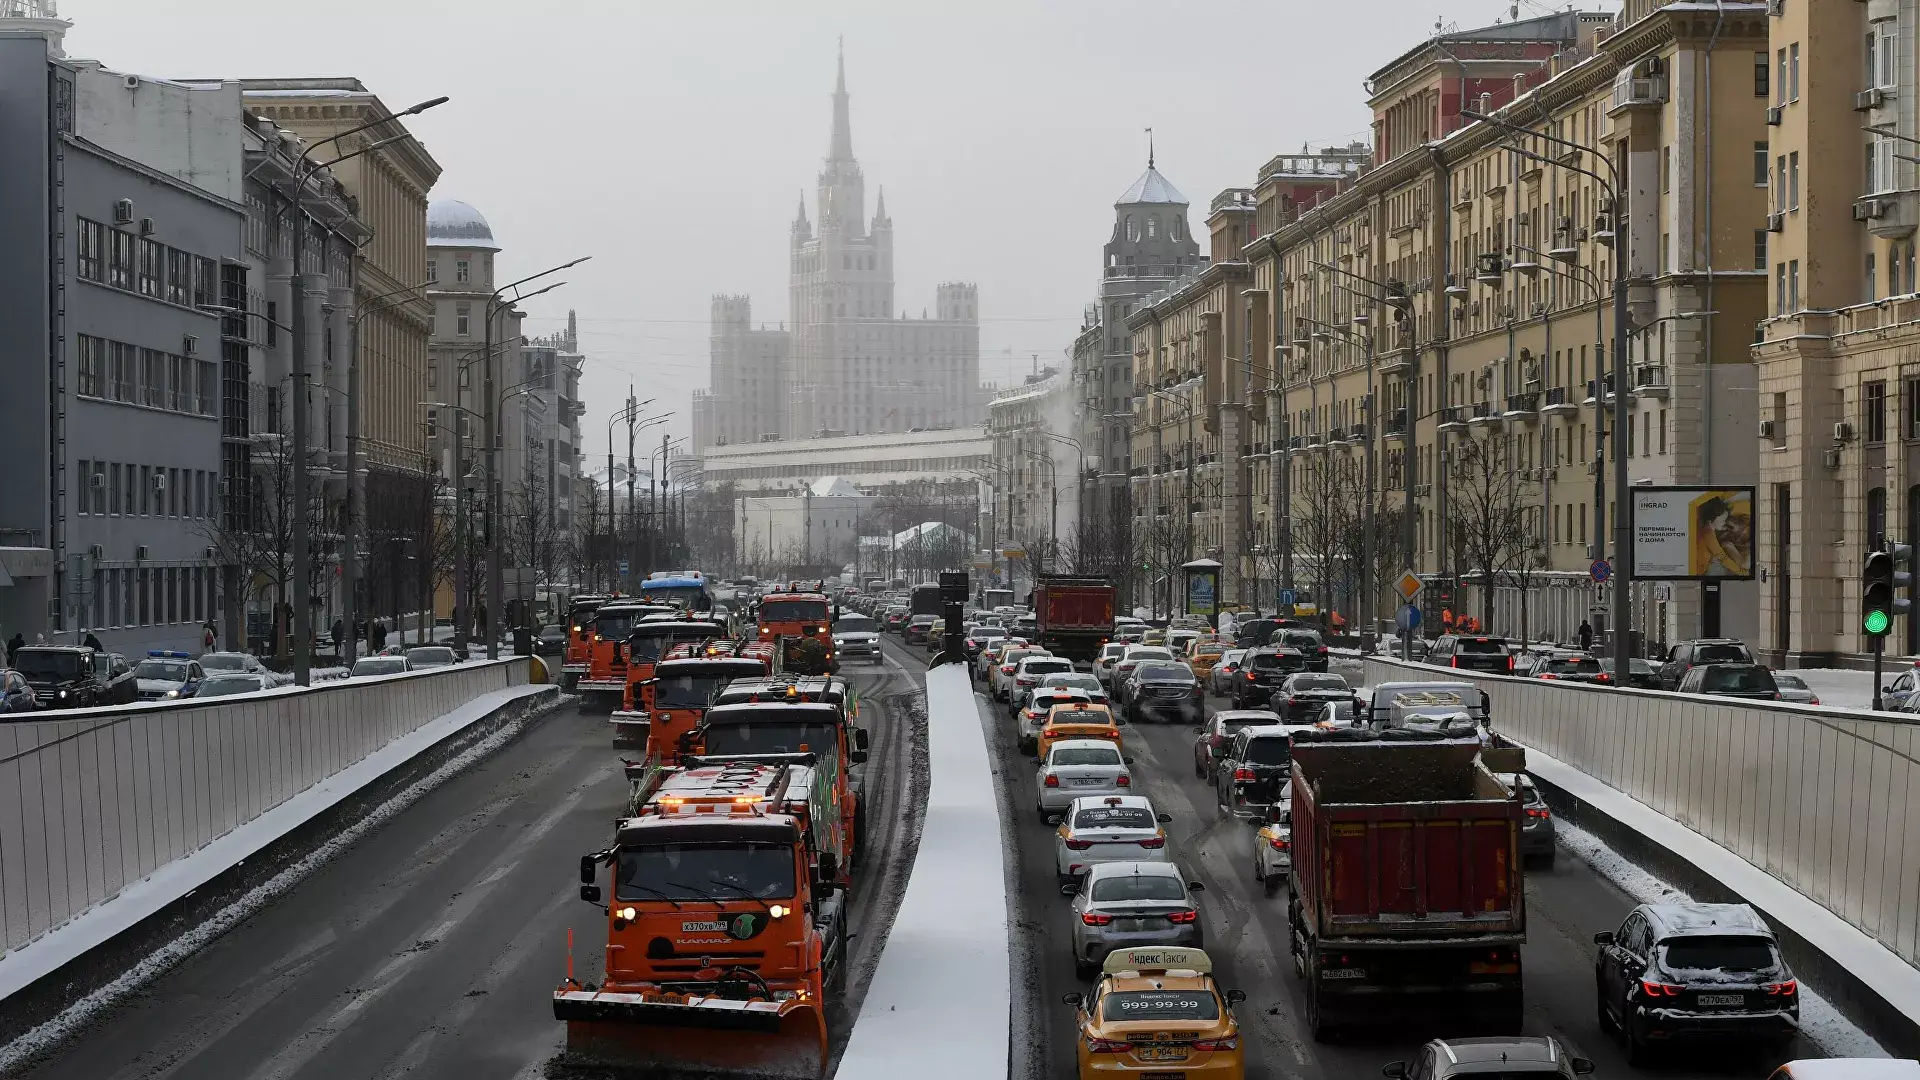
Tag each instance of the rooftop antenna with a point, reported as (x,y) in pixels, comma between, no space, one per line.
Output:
(1149,148)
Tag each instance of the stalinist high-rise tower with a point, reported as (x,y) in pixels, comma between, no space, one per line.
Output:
(853,363)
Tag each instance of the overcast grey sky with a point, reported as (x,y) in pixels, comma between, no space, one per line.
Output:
(671,141)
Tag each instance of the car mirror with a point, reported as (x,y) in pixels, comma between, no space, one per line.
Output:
(860,738)
(857,757)
(1394,1068)
(587,863)
(1163,818)
(1582,1066)
(1604,937)
(1194,886)
(1235,997)
(590,893)
(1070,888)
(1199,731)
(1886,689)
(1126,761)
(1073,998)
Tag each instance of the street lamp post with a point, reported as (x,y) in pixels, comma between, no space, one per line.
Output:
(1053,491)
(304,170)
(1079,496)
(629,414)
(489,312)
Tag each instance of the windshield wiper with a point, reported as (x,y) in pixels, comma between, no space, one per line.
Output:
(742,892)
(656,892)
(708,897)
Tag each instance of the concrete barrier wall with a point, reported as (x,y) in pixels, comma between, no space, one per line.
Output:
(101,798)
(1826,800)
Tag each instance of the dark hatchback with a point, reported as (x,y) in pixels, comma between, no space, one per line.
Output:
(1307,643)
(1573,667)
(1695,972)
(1641,675)
(1302,696)
(552,641)
(1164,691)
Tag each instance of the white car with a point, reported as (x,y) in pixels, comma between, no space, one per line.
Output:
(423,657)
(233,682)
(1178,640)
(166,676)
(1000,677)
(1034,709)
(1075,680)
(379,665)
(856,635)
(1273,845)
(1028,673)
(215,663)
(1105,829)
(1109,656)
(1075,768)
(1220,679)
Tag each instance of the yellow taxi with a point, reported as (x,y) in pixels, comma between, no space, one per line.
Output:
(1202,655)
(1156,1012)
(1155,636)
(1080,720)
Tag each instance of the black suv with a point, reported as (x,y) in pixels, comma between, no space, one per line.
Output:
(1300,698)
(1730,680)
(1164,689)
(1690,654)
(74,677)
(1443,1059)
(1262,671)
(1695,972)
(1251,772)
(1305,642)
(1472,652)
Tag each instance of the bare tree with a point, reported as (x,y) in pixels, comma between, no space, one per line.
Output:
(1492,510)
(261,541)
(1324,498)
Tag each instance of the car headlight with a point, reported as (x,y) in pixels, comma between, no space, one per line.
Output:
(173,693)
(63,693)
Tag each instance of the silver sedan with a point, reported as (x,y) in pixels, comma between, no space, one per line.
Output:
(1124,905)
(1075,768)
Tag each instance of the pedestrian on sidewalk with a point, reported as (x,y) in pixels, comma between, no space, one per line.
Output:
(14,645)
(92,642)
(1586,635)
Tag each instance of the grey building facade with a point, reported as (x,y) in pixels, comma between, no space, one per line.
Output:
(123,199)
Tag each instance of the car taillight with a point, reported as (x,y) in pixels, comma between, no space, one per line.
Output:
(1783,989)
(1323,650)
(1279,843)
(1078,845)
(1243,774)
(1113,733)
(1815,700)
(1154,842)
(1094,918)
(1654,989)
(1052,780)
(1603,677)
(1509,663)
(1183,916)
(1539,812)
(1105,1046)
(1123,780)
(1455,662)
(1548,675)
(1006,669)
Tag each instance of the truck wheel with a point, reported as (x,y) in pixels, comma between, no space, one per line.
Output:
(1272,883)
(1316,1020)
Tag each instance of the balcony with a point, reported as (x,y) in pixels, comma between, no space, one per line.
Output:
(1594,386)
(1634,90)
(1557,402)
(1482,414)
(1453,418)
(1523,406)
(1650,380)
(1396,424)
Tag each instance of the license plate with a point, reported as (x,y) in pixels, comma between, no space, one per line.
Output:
(702,927)
(1163,1076)
(1721,999)
(1134,925)
(1343,973)
(1161,1053)
(1088,781)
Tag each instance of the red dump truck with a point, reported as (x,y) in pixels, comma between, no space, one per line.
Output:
(1407,894)
(1074,614)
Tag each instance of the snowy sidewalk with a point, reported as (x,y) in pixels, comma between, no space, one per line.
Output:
(945,967)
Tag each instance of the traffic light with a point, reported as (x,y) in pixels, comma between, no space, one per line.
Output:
(1882,579)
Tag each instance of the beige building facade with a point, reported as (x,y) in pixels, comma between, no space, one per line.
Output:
(1428,341)
(1839,352)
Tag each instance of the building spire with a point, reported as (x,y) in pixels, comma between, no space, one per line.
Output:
(841,149)
(880,206)
(1149,148)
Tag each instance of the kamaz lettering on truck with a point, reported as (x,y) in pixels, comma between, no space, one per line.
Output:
(1407,894)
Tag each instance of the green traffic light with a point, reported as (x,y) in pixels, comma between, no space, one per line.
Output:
(1876,622)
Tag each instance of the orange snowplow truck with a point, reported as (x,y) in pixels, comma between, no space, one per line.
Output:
(604,682)
(726,931)
(573,665)
(672,702)
(802,623)
(649,639)
(782,723)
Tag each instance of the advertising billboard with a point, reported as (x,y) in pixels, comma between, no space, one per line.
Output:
(1692,534)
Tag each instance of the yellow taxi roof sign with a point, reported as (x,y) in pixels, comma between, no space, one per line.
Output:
(1157,959)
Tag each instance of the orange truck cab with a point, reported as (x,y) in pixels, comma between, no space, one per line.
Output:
(573,664)
(797,617)
(759,729)
(672,702)
(726,930)
(604,683)
(650,639)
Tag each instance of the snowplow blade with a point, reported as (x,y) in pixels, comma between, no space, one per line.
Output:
(694,1034)
(629,728)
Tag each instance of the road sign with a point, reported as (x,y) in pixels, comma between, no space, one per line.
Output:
(1287,596)
(623,568)
(1409,618)
(1408,585)
(1601,570)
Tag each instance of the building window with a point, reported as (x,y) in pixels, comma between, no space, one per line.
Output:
(462,270)
(1780,82)
(93,363)
(1663,432)
(273,323)
(433,271)
(206,282)
(461,316)
(1760,74)
(179,276)
(92,250)
(179,389)
(120,271)
(1760,249)
(1793,180)
(146,490)
(1780,183)
(1760,164)
(1780,289)
(206,388)
(153,377)
(1893,270)
(1666,168)
(1793,72)
(1912,390)
(1875,411)
(153,269)
(1793,284)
